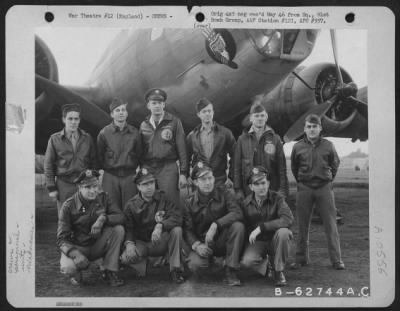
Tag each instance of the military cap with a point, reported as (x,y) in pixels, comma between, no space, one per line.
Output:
(155,94)
(313,118)
(70,107)
(202,103)
(116,102)
(87,177)
(258,173)
(257,108)
(144,175)
(200,169)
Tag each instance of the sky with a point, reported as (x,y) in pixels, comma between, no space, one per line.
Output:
(77,51)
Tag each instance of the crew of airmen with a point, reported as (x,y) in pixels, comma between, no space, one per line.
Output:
(120,203)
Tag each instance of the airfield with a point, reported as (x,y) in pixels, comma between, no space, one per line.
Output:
(318,279)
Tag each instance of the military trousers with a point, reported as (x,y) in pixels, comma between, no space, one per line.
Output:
(107,246)
(324,201)
(119,189)
(65,190)
(171,244)
(167,176)
(228,243)
(255,255)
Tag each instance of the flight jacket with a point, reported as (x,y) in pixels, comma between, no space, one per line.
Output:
(224,143)
(221,208)
(119,151)
(165,143)
(271,216)
(314,164)
(62,161)
(140,216)
(77,217)
(268,152)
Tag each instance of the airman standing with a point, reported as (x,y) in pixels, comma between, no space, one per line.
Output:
(211,143)
(260,146)
(164,144)
(68,153)
(314,166)
(118,150)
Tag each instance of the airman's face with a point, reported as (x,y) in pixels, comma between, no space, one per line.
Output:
(312,130)
(89,192)
(206,114)
(260,187)
(147,189)
(71,121)
(259,119)
(156,107)
(205,183)
(119,114)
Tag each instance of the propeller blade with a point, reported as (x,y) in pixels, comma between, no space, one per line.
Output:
(334,47)
(361,107)
(297,129)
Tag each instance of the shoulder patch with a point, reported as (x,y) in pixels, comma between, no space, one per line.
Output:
(269,148)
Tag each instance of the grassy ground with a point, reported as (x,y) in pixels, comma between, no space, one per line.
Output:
(351,193)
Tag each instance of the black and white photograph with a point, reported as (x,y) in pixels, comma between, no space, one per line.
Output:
(194,160)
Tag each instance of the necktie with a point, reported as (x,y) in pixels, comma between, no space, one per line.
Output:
(156,123)
(73,141)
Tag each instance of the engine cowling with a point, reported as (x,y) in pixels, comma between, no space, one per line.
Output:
(292,98)
(45,66)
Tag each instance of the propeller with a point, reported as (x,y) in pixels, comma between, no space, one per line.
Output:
(341,97)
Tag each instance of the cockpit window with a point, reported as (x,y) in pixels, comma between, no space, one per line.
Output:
(289,38)
(274,42)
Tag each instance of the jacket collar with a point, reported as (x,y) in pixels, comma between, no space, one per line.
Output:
(250,131)
(127,128)
(140,201)
(251,198)
(215,196)
(167,116)
(317,142)
(215,127)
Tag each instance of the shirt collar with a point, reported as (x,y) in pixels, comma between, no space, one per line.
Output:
(116,128)
(266,128)
(212,128)
(64,133)
(153,123)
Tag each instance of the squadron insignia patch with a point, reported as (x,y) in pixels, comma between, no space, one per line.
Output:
(166,134)
(269,148)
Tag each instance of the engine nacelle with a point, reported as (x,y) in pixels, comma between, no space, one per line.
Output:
(45,66)
(292,98)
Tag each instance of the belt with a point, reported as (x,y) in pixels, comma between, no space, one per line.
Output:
(121,172)
(158,163)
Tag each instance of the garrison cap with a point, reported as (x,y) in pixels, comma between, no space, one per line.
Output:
(144,175)
(116,102)
(258,173)
(70,107)
(313,118)
(155,94)
(202,103)
(256,108)
(87,177)
(200,169)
